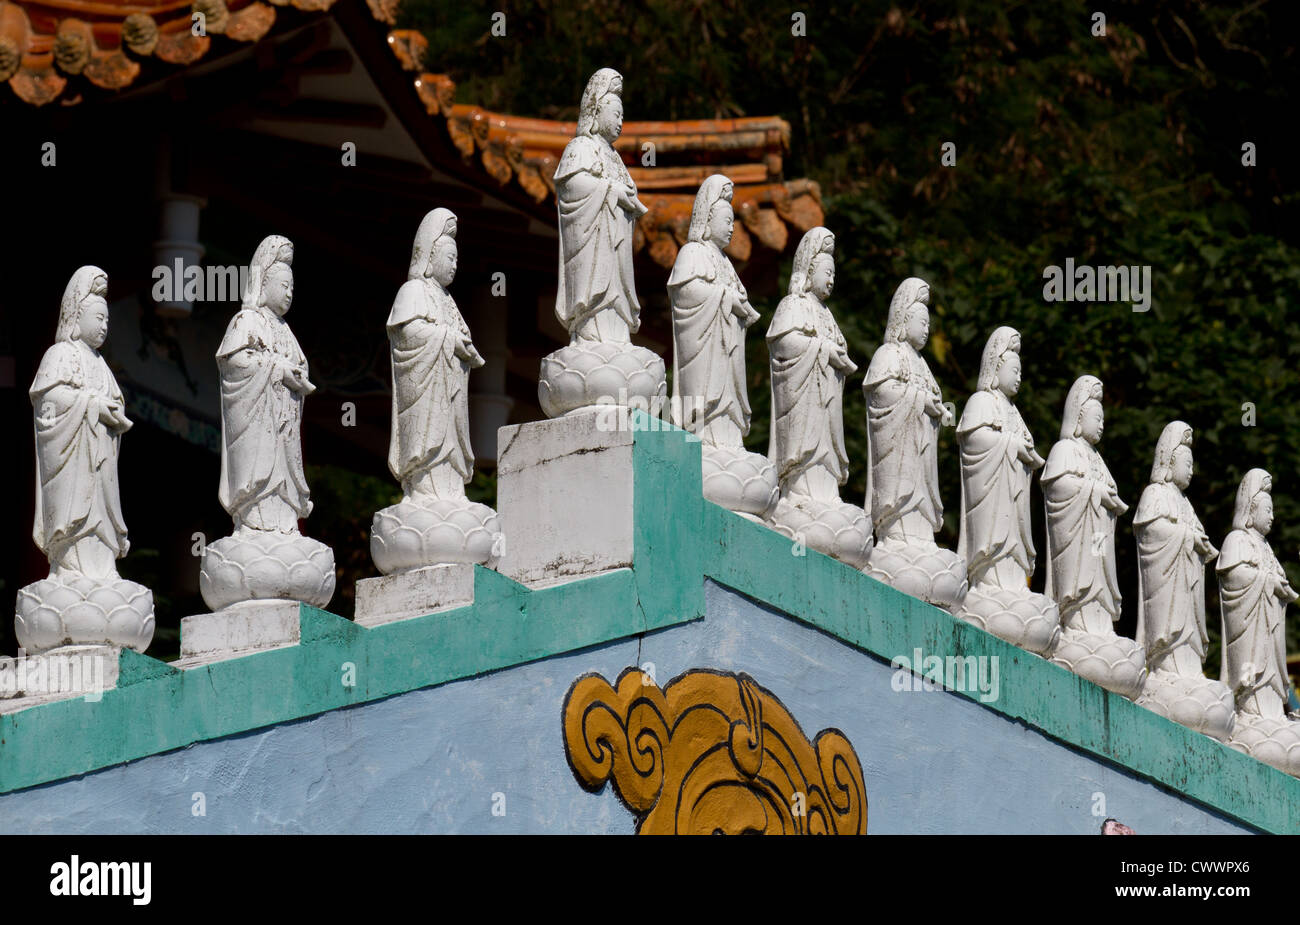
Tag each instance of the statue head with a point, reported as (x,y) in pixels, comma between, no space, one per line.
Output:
(816,241)
(83,310)
(1083,416)
(821,276)
(434,254)
(1173,461)
(1254,507)
(909,316)
(1000,364)
(601,110)
(712,218)
(275,250)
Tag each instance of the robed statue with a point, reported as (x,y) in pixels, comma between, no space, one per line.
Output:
(80,419)
(598,208)
(263,383)
(432,353)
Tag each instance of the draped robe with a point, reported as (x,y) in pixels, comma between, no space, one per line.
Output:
(1254,624)
(1080,537)
(78,522)
(430,386)
(262,480)
(709,341)
(903,478)
(596,299)
(995,527)
(1171,581)
(807,391)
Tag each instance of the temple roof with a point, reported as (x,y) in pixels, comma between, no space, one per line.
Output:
(53,50)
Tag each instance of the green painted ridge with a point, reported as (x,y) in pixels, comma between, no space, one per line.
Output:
(680,539)
(840,600)
(156,708)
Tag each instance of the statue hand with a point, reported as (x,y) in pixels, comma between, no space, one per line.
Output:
(107,412)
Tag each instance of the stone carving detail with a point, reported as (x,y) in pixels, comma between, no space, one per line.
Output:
(429,451)
(79,416)
(711,311)
(711,753)
(997,462)
(1254,593)
(1083,505)
(1173,550)
(905,410)
(596,299)
(810,362)
(263,488)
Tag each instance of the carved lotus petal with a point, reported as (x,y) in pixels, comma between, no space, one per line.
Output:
(739,480)
(77,610)
(1022,618)
(412,535)
(581,375)
(1113,662)
(256,565)
(838,530)
(935,575)
(1202,704)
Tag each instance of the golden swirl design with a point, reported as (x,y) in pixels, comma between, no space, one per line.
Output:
(712,752)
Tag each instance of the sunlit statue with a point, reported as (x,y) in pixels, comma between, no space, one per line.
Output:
(998,460)
(1083,505)
(810,361)
(1254,593)
(711,312)
(596,301)
(429,450)
(80,417)
(1173,550)
(905,411)
(264,380)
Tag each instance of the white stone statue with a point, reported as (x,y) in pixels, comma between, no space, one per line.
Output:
(79,420)
(1173,550)
(1254,593)
(998,460)
(810,361)
(263,384)
(429,451)
(711,311)
(596,299)
(905,410)
(1083,505)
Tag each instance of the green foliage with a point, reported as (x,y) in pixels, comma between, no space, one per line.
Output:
(1124,149)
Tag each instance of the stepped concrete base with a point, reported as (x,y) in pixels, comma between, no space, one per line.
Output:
(240,629)
(422,591)
(64,673)
(564,494)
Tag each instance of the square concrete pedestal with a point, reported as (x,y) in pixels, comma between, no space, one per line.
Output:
(432,589)
(240,629)
(565,496)
(61,674)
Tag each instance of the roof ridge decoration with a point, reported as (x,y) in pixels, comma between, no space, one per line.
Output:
(43,44)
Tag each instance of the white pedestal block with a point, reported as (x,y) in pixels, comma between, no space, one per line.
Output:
(60,674)
(240,629)
(564,494)
(413,594)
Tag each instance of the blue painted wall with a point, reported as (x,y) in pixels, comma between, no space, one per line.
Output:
(432,760)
